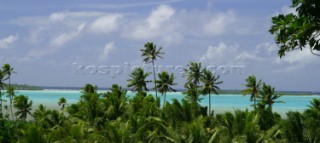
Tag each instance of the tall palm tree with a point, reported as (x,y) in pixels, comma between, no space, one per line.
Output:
(2,74)
(165,83)
(150,54)
(211,83)
(23,105)
(138,80)
(193,73)
(8,70)
(268,96)
(253,88)
(10,94)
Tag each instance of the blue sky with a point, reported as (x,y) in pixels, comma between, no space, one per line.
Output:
(47,42)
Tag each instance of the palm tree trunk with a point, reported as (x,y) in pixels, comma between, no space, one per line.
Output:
(154,77)
(164,101)
(209,103)
(0,103)
(11,98)
(254,102)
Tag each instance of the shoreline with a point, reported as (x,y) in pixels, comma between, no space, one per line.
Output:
(153,92)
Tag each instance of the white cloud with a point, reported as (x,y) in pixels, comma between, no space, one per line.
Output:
(160,15)
(57,16)
(267,48)
(6,42)
(56,43)
(220,23)
(221,54)
(296,60)
(156,25)
(105,24)
(234,54)
(299,57)
(106,51)
(63,38)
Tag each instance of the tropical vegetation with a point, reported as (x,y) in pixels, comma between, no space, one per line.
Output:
(114,117)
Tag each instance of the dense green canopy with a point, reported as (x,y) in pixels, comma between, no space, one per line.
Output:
(298,30)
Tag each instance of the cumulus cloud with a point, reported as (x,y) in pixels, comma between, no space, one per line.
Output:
(105,24)
(234,54)
(299,57)
(56,42)
(106,50)
(219,23)
(221,54)
(63,38)
(158,24)
(6,42)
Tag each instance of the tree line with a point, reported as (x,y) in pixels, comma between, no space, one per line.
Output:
(113,117)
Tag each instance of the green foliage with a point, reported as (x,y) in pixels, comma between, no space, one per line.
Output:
(211,83)
(165,83)
(89,88)
(193,73)
(112,117)
(192,94)
(62,102)
(23,106)
(297,31)
(253,88)
(138,80)
(268,96)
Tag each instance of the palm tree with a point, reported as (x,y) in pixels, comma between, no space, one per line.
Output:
(8,70)
(165,83)
(2,74)
(211,83)
(253,88)
(138,81)
(150,54)
(10,95)
(23,105)
(315,104)
(192,94)
(193,73)
(62,102)
(89,88)
(268,96)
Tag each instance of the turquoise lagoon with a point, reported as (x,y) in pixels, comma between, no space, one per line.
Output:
(220,103)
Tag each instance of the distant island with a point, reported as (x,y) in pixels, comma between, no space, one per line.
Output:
(25,87)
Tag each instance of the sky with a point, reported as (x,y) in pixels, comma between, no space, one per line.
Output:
(71,43)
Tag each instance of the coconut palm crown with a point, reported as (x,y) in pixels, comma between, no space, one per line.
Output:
(138,80)
(210,84)
(165,83)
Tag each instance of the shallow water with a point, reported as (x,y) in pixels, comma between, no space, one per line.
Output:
(220,103)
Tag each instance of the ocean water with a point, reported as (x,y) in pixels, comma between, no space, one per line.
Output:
(219,103)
